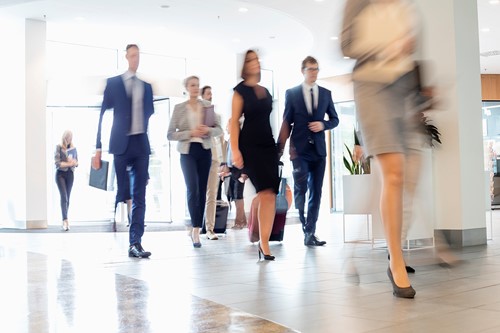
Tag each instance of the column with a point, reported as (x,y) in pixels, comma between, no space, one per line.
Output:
(12,198)
(35,124)
(451,42)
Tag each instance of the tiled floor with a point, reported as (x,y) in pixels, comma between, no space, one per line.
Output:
(85,282)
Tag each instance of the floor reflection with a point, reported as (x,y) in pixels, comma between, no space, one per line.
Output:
(37,295)
(53,283)
(66,291)
(132,298)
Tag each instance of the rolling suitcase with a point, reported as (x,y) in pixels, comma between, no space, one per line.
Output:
(221,212)
(282,206)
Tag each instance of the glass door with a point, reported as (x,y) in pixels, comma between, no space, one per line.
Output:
(341,136)
(165,193)
(491,144)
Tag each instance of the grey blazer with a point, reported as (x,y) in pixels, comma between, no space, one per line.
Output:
(179,128)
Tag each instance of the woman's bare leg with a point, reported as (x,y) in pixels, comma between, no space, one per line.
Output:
(413,166)
(266,211)
(391,210)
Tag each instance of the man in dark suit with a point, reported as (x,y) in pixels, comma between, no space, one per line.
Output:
(304,118)
(132,102)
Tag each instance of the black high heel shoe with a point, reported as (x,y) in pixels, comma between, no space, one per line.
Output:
(196,245)
(266,256)
(407,292)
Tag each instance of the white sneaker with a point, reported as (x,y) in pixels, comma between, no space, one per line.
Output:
(211,235)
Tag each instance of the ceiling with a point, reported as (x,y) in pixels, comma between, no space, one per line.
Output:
(281,28)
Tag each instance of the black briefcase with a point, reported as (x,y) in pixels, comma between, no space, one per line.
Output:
(99,178)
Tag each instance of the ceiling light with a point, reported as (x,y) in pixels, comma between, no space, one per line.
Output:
(485,30)
(243,10)
(347,58)
(490,54)
(334,38)
(494,2)
(165,6)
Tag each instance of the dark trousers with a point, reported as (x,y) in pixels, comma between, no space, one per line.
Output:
(64,181)
(308,174)
(196,167)
(133,164)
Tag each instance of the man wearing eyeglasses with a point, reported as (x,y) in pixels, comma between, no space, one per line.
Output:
(309,112)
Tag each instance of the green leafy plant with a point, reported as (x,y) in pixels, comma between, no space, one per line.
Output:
(356,167)
(430,130)
(351,165)
(359,167)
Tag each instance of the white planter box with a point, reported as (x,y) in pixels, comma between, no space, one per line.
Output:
(361,195)
(358,194)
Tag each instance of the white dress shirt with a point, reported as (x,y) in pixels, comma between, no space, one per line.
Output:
(135,89)
(306,91)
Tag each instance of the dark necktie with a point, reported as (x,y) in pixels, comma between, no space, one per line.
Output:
(312,102)
(131,85)
(310,138)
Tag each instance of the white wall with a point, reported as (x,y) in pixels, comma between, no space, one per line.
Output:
(36,124)
(12,130)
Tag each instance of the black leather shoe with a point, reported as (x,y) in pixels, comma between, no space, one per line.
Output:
(137,251)
(311,240)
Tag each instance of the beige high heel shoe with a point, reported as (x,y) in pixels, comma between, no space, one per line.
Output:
(65,225)
(240,221)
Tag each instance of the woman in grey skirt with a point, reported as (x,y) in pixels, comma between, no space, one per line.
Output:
(381,36)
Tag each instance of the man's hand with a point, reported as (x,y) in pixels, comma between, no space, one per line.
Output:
(316,126)
(357,153)
(224,171)
(96,160)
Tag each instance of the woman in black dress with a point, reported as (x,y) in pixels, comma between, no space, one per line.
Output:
(253,147)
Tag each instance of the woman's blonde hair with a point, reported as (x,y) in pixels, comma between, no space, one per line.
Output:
(67,139)
(189,78)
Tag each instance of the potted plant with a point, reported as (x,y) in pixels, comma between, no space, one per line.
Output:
(356,165)
(430,130)
(358,184)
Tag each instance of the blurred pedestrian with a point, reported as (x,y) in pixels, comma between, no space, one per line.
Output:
(381,35)
(253,148)
(218,145)
(132,102)
(236,187)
